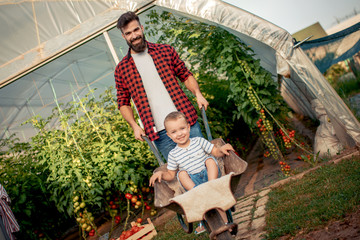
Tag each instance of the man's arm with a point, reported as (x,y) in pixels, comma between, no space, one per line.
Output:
(127,113)
(193,86)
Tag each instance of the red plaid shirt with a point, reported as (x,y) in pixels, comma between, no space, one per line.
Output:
(129,84)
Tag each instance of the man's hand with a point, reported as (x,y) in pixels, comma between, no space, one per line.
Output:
(193,86)
(154,177)
(138,132)
(127,113)
(201,101)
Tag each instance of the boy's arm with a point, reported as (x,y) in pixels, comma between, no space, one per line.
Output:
(162,175)
(222,151)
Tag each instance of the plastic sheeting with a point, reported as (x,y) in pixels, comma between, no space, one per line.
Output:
(63,53)
(326,51)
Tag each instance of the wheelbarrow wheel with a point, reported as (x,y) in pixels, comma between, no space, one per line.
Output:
(188,227)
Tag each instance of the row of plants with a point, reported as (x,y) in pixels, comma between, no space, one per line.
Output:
(82,163)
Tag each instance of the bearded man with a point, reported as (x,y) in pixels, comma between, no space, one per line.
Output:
(149,75)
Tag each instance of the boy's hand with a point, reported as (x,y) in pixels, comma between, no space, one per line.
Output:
(226,148)
(154,177)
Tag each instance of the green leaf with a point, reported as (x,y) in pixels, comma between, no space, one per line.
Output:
(22,198)
(194,35)
(264,92)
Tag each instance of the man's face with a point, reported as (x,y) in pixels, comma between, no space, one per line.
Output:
(179,131)
(134,36)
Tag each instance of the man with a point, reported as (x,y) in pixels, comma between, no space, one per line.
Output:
(148,74)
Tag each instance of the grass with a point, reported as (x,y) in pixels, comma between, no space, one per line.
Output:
(311,202)
(173,231)
(348,88)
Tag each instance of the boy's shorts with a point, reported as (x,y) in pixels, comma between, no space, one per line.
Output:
(201,177)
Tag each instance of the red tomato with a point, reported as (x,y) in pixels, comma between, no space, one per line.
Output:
(139,220)
(118,218)
(148,207)
(128,196)
(134,229)
(127,234)
(91,234)
(113,206)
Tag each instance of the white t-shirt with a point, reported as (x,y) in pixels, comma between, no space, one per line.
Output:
(191,159)
(160,101)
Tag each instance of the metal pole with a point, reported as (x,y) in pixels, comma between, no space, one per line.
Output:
(206,124)
(154,149)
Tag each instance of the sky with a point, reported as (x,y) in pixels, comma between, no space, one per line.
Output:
(296,15)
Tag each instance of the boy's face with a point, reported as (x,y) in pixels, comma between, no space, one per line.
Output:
(179,131)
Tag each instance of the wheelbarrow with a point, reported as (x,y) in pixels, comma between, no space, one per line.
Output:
(205,200)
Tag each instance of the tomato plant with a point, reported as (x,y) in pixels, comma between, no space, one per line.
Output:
(74,166)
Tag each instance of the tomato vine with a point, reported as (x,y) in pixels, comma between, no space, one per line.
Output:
(218,57)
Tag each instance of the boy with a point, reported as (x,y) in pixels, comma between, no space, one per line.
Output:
(191,156)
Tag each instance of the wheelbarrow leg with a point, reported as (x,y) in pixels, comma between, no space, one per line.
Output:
(188,228)
(229,216)
(219,230)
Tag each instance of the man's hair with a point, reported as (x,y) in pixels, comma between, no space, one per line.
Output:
(126,18)
(174,116)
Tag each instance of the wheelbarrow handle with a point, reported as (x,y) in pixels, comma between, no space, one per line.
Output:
(154,149)
(206,124)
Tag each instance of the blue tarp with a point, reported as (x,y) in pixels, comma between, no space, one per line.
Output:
(326,51)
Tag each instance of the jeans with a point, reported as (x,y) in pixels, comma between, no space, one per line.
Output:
(164,144)
(201,177)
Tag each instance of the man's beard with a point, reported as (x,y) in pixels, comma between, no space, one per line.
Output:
(139,47)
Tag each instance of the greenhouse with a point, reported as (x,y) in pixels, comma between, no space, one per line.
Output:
(61,53)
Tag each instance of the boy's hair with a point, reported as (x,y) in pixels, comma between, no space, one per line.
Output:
(174,116)
(126,18)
